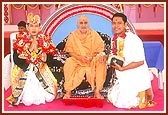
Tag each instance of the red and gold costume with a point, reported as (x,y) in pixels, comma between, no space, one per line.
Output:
(23,43)
(32,81)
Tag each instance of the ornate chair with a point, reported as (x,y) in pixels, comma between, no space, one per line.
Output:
(65,18)
(83,89)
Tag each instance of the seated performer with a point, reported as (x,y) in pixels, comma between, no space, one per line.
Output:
(85,47)
(133,85)
(32,82)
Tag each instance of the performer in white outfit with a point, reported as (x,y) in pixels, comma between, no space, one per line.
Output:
(32,82)
(133,85)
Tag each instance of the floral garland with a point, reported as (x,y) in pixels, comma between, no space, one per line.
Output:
(23,42)
(118,44)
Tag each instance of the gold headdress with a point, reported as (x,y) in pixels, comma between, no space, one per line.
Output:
(31,18)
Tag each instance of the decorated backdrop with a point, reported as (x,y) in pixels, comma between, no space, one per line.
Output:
(136,12)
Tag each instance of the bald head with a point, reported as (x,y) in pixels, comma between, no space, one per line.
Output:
(83,24)
(83,18)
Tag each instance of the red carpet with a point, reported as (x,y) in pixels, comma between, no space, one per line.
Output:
(57,106)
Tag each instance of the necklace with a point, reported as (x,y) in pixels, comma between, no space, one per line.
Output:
(118,44)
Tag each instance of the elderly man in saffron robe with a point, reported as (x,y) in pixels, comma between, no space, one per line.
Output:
(85,47)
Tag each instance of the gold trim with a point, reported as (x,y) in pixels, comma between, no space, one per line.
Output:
(161,5)
(17,7)
(32,7)
(131,5)
(147,5)
(48,8)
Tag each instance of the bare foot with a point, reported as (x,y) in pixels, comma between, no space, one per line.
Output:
(11,105)
(151,104)
(149,94)
(67,95)
(98,95)
(141,99)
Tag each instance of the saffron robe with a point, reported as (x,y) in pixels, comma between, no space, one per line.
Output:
(74,70)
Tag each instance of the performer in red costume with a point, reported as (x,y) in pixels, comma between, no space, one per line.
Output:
(32,82)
